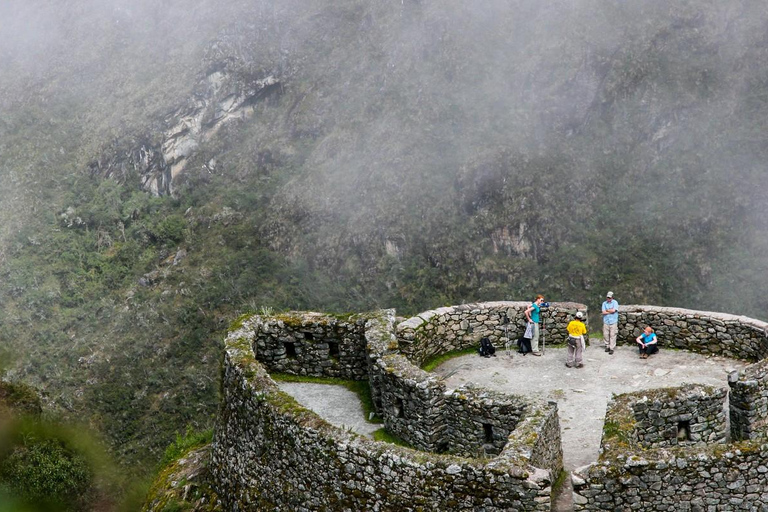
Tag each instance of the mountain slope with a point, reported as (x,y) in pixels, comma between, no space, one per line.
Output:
(350,155)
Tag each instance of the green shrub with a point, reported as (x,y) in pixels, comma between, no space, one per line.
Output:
(20,397)
(47,472)
(52,466)
(170,230)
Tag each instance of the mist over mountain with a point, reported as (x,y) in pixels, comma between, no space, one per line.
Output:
(167,166)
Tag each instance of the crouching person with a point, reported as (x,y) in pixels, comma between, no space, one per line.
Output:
(647,341)
(576,332)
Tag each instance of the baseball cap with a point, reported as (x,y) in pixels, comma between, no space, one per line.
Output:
(579,314)
(609,295)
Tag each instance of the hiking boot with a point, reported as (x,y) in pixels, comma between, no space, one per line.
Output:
(536,353)
(610,352)
(607,349)
(579,365)
(568,365)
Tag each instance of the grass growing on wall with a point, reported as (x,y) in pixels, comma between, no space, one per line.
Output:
(385,436)
(432,363)
(184,443)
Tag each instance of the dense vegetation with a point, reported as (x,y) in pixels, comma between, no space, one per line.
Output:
(417,153)
(46,465)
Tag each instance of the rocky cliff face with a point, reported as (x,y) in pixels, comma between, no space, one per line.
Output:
(220,98)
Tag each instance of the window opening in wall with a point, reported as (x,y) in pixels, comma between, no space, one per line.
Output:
(488,432)
(309,336)
(290,349)
(399,409)
(333,349)
(684,431)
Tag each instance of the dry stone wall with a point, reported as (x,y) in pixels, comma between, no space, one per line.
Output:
(481,421)
(411,402)
(697,331)
(667,449)
(313,344)
(680,416)
(269,453)
(662,450)
(644,466)
(749,402)
(701,479)
(443,330)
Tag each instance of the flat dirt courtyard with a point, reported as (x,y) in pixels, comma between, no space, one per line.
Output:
(582,394)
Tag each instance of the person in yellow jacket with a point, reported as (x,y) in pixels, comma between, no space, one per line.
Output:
(576,332)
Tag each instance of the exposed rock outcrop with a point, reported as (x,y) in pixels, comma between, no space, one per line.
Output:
(159,158)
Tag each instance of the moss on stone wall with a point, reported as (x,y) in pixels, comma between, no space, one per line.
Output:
(183,484)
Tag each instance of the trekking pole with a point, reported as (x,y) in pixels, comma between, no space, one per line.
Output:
(586,319)
(507,345)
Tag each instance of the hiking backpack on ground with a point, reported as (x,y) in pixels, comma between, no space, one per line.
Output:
(523,344)
(486,348)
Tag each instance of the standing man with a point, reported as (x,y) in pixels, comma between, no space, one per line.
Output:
(533,314)
(576,332)
(610,322)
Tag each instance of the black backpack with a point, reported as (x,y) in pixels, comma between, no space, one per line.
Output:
(523,345)
(486,348)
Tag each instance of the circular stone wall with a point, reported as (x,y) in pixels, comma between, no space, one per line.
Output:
(444,330)
(704,332)
(271,453)
(664,449)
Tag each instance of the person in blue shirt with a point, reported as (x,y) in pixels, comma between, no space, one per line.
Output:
(648,343)
(533,315)
(610,322)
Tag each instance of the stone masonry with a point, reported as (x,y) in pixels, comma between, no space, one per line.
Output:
(312,344)
(704,332)
(680,416)
(749,402)
(270,453)
(662,450)
(443,330)
(669,449)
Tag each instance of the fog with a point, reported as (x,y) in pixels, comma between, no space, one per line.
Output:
(605,116)
(408,154)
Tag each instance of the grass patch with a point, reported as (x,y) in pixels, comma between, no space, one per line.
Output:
(618,432)
(185,443)
(434,362)
(360,387)
(557,485)
(386,437)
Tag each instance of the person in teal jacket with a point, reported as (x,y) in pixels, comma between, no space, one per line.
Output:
(648,343)
(533,315)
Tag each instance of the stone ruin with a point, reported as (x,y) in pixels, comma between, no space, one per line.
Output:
(688,448)
(672,449)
